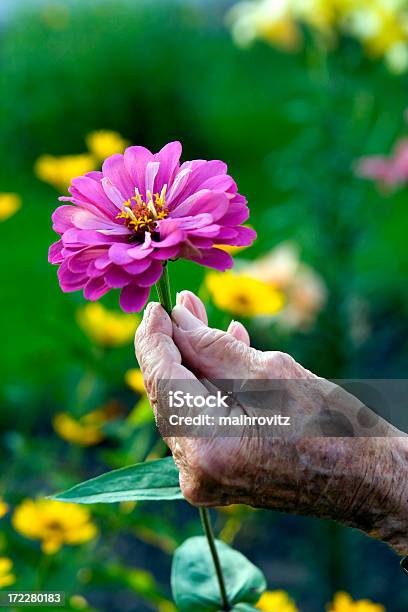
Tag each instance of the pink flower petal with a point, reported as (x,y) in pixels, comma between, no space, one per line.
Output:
(80,261)
(139,252)
(84,219)
(133,298)
(179,184)
(62,218)
(116,277)
(171,239)
(236,214)
(93,272)
(102,262)
(227,233)
(137,266)
(54,253)
(119,254)
(207,231)
(152,169)
(214,203)
(114,169)
(70,281)
(136,160)
(89,193)
(168,157)
(244,236)
(113,193)
(95,289)
(151,275)
(222,182)
(214,258)
(200,242)
(89,237)
(166,253)
(199,174)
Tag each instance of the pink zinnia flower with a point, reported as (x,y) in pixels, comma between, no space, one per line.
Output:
(124,223)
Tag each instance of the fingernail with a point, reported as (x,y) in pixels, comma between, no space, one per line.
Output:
(184,319)
(183,298)
(231,325)
(180,297)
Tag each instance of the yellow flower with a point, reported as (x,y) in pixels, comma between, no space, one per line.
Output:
(77,431)
(322,16)
(242,295)
(107,327)
(59,171)
(276,601)
(87,430)
(3,508)
(6,575)
(10,203)
(134,378)
(268,19)
(53,523)
(342,602)
(381,26)
(304,289)
(103,143)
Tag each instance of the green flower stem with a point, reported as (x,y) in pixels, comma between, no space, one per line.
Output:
(207,527)
(163,290)
(164,293)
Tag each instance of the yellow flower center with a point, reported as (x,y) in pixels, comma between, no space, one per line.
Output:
(141,216)
(54,526)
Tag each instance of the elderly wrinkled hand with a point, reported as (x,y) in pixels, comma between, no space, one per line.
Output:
(360,481)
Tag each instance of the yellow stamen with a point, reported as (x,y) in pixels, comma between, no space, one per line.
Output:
(141,216)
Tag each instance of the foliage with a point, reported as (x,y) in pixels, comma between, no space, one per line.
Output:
(194,583)
(291,127)
(152,480)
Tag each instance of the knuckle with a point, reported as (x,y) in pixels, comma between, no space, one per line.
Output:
(210,338)
(278,364)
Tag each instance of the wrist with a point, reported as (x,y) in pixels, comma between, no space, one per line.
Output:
(381,506)
(391,480)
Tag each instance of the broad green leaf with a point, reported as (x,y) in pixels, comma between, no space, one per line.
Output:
(152,480)
(194,583)
(244,607)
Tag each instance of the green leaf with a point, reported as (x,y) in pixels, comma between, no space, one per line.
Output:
(243,607)
(194,583)
(152,480)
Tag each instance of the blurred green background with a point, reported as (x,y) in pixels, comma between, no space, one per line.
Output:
(290,126)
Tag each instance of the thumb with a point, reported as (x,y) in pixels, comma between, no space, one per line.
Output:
(211,352)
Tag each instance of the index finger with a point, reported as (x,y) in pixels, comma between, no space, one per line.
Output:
(158,356)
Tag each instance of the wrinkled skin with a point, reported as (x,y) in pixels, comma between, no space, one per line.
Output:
(359,481)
